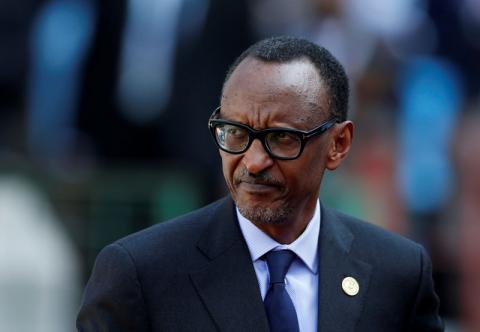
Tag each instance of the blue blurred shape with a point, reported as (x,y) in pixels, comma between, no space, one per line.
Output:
(60,38)
(431,93)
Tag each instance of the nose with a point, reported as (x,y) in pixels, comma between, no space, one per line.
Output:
(256,159)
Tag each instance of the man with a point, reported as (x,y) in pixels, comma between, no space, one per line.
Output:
(268,257)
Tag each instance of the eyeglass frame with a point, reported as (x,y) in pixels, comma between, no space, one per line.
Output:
(260,134)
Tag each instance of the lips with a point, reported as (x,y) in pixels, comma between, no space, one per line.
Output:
(257,188)
(258,182)
(263,180)
(261,185)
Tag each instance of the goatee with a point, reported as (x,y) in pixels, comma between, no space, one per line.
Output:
(266,215)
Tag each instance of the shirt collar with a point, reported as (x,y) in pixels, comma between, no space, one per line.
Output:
(305,246)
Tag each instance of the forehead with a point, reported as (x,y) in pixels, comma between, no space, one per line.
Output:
(291,92)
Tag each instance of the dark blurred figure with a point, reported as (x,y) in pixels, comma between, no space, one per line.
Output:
(207,35)
(468,200)
(458,28)
(15,21)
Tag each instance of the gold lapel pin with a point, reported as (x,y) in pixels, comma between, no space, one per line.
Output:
(350,286)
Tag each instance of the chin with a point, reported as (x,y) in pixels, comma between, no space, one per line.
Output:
(265,215)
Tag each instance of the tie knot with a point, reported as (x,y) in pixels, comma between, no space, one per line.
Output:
(278,264)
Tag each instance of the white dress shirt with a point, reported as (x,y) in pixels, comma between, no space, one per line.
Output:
(302,277)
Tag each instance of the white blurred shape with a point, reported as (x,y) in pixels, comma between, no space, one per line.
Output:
(38,267)
(387,18)
(473,7)
(147,57)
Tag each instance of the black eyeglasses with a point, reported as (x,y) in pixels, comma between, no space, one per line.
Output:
(280,143)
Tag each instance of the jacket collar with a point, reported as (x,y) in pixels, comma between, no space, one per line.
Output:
(228,286)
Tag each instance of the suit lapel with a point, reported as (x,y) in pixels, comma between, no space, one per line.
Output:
(229,289)
(228,286)
(338,311)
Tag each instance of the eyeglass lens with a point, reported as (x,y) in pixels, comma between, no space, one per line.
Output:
(231,137)
(283,143)
(235,139)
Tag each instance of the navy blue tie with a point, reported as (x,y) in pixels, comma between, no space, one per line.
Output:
(278,304)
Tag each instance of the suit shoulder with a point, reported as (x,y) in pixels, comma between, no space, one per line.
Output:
(168,235)
(373,239)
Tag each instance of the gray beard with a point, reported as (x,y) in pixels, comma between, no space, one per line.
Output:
(266,216)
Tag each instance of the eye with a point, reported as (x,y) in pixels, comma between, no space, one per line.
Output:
(282,138)
(234,131)
(232,137)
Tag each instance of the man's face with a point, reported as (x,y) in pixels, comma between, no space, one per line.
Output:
(270,95)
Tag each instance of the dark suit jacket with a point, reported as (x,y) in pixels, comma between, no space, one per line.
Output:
(195,273)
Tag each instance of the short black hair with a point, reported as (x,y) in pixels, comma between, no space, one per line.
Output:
(285,49)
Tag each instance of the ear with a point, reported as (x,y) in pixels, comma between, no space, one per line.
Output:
(340,145)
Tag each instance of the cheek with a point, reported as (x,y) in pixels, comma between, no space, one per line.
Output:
(317,159)
(229,164)
(306,176)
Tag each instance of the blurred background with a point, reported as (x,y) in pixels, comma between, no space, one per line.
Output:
(103,113)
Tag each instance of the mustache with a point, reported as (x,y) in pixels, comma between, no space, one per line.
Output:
(260,178)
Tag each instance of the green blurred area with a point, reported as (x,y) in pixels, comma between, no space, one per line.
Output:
(109,204)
